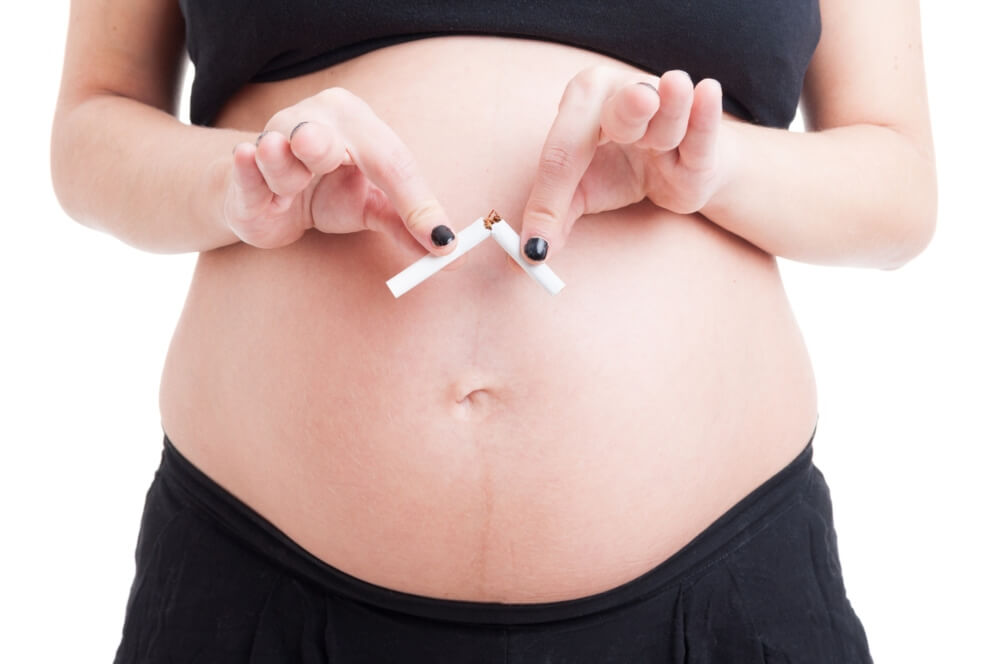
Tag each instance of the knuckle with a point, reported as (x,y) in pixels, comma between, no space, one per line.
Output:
(675,116)
(333,94)
(591,75)
(669,138)
(420,214)
(320,161)
(677,109)
(556,160)
(273,165)
(320,155)
(581,88)
(309,151)
(337,99)
(281,118)
(588,81)
(617,121)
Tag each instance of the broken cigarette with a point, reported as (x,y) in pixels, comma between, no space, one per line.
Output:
(507,238)
(482,228)
(424,267)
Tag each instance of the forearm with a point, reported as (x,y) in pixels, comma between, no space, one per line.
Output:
(859,195)
(135,172)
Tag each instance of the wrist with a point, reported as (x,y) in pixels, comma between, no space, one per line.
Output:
(731,160)
(211,200)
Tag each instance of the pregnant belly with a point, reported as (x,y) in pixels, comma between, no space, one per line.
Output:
(479,438)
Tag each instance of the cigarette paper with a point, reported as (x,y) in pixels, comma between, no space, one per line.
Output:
(507,238)
(424,267)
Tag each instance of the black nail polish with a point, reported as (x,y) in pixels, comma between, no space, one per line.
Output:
(296,128)
(442,235)
(536,248)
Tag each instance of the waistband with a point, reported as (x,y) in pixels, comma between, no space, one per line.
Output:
(747,517)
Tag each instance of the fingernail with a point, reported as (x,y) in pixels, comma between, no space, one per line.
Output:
(536,248)
(649,85)
(261,136)
(296,128)
(442,235)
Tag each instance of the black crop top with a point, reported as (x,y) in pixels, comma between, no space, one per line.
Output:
(757,49)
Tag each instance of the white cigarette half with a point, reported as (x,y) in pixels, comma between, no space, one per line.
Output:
(424,267)
(507,238)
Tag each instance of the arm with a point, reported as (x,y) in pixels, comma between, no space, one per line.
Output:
(121,162)
(860,187)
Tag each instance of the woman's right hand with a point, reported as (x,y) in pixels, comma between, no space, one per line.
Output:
(329,163)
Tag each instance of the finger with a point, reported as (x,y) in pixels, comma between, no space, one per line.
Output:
(669,125)
(284,173)
(251,191)
(249,202)
(319,147)
(697,149)
(412,249)
(626,113)
(566,154)
(385,160)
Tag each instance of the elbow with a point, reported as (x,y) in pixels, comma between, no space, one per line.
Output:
(63,173)
(58,176)
(910,243)
(916,223)
(63,190)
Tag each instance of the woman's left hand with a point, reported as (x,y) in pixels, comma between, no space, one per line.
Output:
(615,142)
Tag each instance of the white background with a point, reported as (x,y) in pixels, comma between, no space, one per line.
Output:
(906,363)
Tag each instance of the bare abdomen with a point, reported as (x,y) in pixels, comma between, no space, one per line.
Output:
(479,438)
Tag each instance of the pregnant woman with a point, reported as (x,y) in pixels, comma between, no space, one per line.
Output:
(478,470)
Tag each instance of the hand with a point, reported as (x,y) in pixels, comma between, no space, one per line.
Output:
(329,163)
(615,142)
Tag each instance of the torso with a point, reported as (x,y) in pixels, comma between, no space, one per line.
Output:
(479,438)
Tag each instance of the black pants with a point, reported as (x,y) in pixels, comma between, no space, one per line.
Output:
(216,583)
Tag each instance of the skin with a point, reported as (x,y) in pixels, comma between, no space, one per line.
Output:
(518,482)
(285,182)
(756,181)
(881,212)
